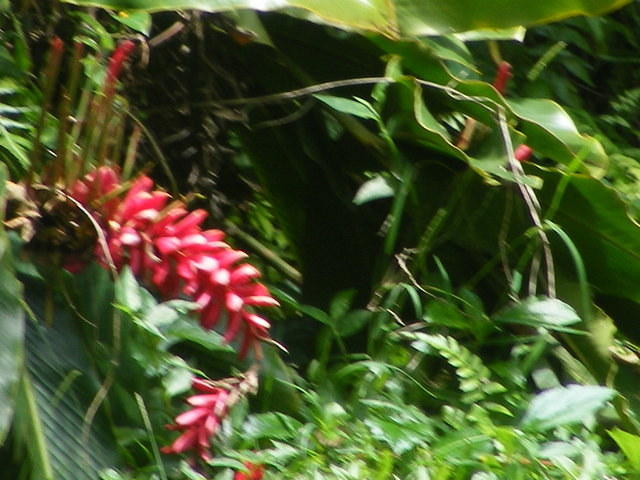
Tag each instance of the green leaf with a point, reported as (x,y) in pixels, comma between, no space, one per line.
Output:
(376,188)
(513,33)
(226,462)
(58,388)
(270,425)
(138,21)
(184,330)
(629,444)
(544,312)
(358,108)
(315,313)
(128,292)
(405,17)
(11,323)
(551,132)
(419,18)
(401,427)
(352,322)
(341,303)
(565,406)
(608,239)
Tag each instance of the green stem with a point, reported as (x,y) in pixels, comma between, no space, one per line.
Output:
(152,438)
(37,441)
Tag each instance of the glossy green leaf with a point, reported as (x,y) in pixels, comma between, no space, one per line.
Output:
(565,406)
(412,119)
(376,15)
(346,105)
(551,132)
(138,21)
(391,18)
(549,313)
(433,18)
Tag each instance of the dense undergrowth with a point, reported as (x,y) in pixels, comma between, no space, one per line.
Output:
(442,221)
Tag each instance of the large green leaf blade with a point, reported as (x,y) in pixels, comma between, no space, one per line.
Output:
(597,220)
(372,15)
(392,18)
(63,441)
(418,18)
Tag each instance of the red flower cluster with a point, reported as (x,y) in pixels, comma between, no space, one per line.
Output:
(201,422)
(165,246)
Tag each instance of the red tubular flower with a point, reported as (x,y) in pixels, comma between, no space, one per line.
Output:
(503,74)
(165,246)
(254,472)
(202,422)
(116,62)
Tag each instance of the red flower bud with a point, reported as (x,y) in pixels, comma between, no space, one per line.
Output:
(522,153)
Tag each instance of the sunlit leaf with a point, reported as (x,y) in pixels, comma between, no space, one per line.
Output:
(629,444)
(376,188)
(565,406)
(551,131)
(550,313)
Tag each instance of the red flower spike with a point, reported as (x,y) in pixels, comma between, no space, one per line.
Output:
(209,408)
(200,423)
(165,246)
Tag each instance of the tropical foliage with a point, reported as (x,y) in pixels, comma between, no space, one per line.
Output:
(315,239)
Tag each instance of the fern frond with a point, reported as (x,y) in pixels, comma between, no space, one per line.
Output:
(473,375)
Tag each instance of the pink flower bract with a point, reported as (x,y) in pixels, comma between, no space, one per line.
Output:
(165,246)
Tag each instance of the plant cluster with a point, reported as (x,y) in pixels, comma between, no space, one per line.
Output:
(438,211)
